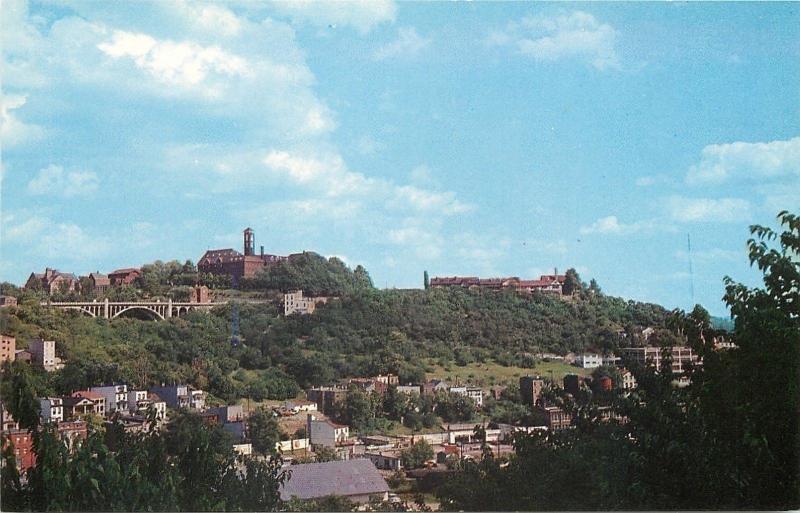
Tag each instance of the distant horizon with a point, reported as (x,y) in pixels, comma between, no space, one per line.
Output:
(470,139)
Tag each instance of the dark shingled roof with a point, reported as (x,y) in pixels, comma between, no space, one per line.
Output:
(345,478)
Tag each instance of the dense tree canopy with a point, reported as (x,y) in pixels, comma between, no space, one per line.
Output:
(728,440)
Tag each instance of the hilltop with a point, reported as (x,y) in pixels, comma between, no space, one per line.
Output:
(364,331)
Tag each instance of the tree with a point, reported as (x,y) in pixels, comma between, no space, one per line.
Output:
(416,455)
(426,282)
(572,282)
(264,431)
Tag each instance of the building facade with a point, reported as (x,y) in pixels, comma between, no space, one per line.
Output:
(43,353)
(295,302)
(530,389)
(651,356)
(116,397)
(547,283)
(8,348)
(52,281)
(234,264)
(326,433)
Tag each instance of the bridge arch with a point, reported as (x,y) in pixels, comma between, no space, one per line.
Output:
(138,307)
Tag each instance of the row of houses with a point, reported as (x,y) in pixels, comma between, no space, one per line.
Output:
(52,280)
(326,397)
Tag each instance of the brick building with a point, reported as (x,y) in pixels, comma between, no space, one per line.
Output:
(124,276)
(52,281)
(547,283)
(8,348)
(234,264)
(100,282)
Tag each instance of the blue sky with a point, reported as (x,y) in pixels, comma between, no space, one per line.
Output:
(485,139)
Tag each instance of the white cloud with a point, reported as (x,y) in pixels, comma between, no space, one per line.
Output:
(53,180)
(329,173)
(45,238)
(720,162)
(407,44)
(360,14)
(13,131)
(577,35)
(723,210)
(182,64)
(610,225)
(425,243)
(425,201)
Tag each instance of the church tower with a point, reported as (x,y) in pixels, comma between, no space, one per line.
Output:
(249,242)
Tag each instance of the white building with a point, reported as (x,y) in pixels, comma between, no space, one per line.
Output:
(116,397)
(43,353)
(51,409)
(197,399)
(325,432)
(628,381)
(294,302)
(298,405)
(139,401)
(409,389)
(474,393)
(589,361)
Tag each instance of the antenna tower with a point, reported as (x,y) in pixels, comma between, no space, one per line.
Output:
(691,272)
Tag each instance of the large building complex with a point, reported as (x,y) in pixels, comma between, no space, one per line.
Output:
(651,355)
(232,263)
(547,283)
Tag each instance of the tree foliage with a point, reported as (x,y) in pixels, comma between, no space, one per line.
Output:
(728,440)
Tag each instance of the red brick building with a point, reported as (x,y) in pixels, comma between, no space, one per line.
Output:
(124,276)
(547,283)
(22,442)
(52,281)
(232,263)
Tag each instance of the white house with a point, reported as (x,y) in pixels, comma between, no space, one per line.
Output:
(116,397)
(589,360)
(51,409)
(325,432)
(474,393)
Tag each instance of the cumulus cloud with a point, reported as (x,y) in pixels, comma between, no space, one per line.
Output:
(721,162)
(423,242)
(610,225)
(183,64)
(45,238)
(54,181)
(425,200)
(722,210)
(13,131)
(363,15)
(407,44)
(577,35)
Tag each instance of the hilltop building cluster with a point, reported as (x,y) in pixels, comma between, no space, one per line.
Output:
(230,262)
(53,281)
(547,283)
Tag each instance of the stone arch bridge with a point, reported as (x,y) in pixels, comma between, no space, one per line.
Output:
(160,310)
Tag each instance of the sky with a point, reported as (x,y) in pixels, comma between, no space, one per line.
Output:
(476,139)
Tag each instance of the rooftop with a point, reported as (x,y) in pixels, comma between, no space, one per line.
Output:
(344,478)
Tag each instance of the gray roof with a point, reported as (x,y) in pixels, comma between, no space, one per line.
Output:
(345,478)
